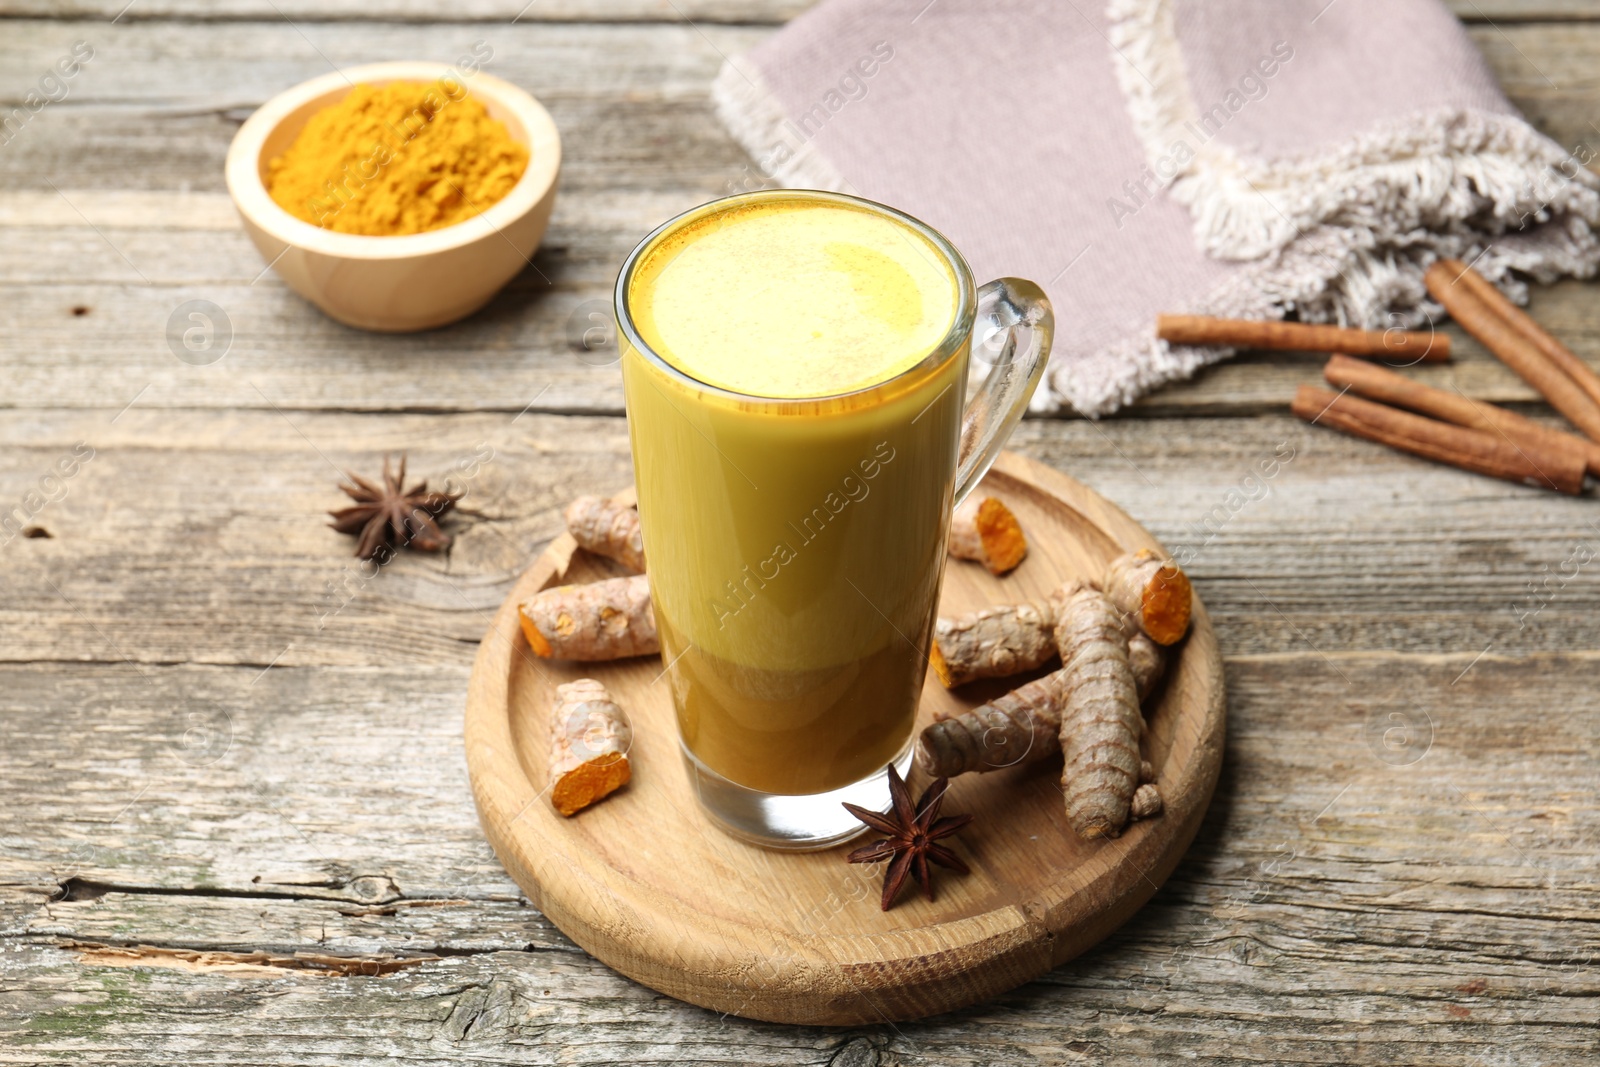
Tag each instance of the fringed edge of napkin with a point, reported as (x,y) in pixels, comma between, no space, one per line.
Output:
(1342,235)
(1326,275)
(755,118)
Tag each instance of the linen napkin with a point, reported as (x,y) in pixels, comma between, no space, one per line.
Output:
(1246,158)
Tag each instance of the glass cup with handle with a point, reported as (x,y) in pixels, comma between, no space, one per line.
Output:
(796,544)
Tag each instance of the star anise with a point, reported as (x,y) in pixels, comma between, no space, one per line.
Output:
(913,834)
(393,516)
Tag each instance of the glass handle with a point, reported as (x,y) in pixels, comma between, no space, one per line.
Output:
(1012,335)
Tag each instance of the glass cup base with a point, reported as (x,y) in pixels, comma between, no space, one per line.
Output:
(791,823)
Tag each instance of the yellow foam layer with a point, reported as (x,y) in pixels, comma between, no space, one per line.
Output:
(794,299)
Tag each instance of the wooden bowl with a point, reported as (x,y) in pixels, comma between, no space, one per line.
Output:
(403,283)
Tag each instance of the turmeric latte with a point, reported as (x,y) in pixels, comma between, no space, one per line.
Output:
(794,548)
(400,158)
(794,299)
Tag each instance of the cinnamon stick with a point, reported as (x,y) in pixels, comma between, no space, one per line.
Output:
(1249,333)
(1470,450)
(1581,374)
(1511,347)
(1385,386)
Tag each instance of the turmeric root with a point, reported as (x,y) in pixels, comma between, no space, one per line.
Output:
(1146,802)
(603,620)
(1153,592)
(589,742)
(1100,722)
(984,529)
(1023,726)
(992,643)
(1149,663)
(607,529)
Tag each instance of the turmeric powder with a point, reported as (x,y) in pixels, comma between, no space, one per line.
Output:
(400,158)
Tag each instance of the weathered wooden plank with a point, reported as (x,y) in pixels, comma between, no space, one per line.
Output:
(504,360)
(1460,551)
(160,107)
(1508,12)
(292,786)
(1392,560)
(1362,888)
(631,91)
(416,11)
(57,261)
(519,473)
(229,67)
(220,67)
(1343,903)
(530,338)
(198,536)
(1208,1000)
(1548,72)
(527,347)
(751,11)
(288,919)
(150,91)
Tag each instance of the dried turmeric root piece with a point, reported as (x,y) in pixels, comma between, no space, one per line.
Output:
(1100,722)
(1149,663)
(992,643)
(607,529)
(1153,591)
(600,621)
(1012,638)
(1023,726)
(984,529)
(589,742)
(1146,802)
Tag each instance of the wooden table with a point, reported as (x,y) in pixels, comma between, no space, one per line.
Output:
(231,761)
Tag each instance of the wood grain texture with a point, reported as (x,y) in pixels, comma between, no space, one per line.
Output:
(525,351)
(772,12)
(1510,12)
(175,99)
(199,536)
(647,884)
(755,11)
(1339,905)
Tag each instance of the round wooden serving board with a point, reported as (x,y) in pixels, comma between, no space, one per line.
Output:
(644,882)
